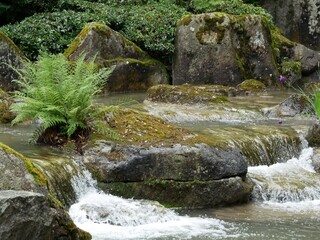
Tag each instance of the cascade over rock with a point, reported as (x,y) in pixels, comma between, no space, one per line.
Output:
(181,176)
(10,55)
(134,68)
(27,209)
(29,215)
(298,19)
(152,155)
(218,48)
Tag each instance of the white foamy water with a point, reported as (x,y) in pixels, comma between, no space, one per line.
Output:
(180,113)
(292,185)
(109,217)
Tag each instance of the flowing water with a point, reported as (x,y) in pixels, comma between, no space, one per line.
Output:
(285,202)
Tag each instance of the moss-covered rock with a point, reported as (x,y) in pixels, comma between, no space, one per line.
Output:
(150,150)
(292,71)
(10,56)
(219,48)
(21,178)
(190,94)
(134,69)
(251,86)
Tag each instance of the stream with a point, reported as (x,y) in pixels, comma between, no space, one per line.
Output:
(285,202)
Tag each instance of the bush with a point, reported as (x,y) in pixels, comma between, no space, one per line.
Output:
(49,32)
(57,93)
(236,7)
(13,11)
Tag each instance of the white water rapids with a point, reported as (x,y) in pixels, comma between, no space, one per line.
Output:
(282,188)
(109,217)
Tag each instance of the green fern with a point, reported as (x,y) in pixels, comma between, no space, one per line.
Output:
(58,93)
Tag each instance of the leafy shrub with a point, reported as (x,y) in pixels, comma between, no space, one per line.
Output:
(57,93)
(236,7)
(13,11)
(49,32)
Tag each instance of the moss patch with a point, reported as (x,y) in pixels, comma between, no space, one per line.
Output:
(185,20)
(143,130)
(252,85)
(189,94)
(214,28)
(38,175)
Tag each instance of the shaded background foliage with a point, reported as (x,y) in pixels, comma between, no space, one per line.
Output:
(151,24)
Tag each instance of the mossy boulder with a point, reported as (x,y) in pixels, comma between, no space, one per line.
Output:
(251,86)
(153,155)
(134,68)
(298,19)
(10,56)
(19,173)
(294,105)
(5,102)
(29,215)
(219,48)
(26,198)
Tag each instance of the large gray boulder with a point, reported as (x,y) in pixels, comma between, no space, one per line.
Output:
(10,56)
(134,68)
(181,176)
(218,48)
(28,215)
(298,19)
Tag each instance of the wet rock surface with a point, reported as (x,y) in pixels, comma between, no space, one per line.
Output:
(217,175)
(28,215)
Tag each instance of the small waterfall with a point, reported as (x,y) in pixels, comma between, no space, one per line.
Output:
(109,217)
(293,183)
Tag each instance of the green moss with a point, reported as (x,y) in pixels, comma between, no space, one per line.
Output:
(38,175)
(3,94)
(252,85)
(280,44)
(140,129)
(185,20)
(291,67)
(189,94)
(213,29)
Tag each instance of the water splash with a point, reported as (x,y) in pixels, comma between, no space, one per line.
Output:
(109,217)
(294,181)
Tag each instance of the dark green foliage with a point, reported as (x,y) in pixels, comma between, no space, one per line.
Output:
(151,24)
(50,32)
(12,11)
(58,93)
(236,7)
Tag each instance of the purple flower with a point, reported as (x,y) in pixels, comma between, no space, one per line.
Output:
(282,79)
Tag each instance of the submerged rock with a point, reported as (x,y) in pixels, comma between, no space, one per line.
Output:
(134,68)
(10,56)
(218,48)
(313,135)
(29,215)
(316,159)
(294,105)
